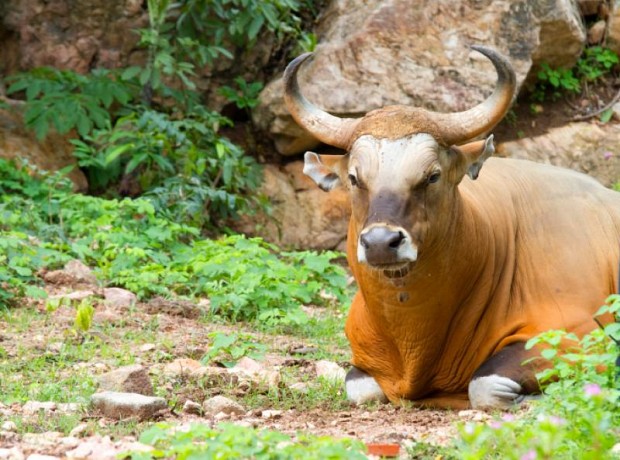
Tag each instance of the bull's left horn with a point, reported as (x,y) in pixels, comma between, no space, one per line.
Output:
(325,127)
(460,127)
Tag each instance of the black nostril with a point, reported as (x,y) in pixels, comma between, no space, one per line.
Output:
(396,239)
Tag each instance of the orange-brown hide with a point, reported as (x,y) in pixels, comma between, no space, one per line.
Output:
(529,247)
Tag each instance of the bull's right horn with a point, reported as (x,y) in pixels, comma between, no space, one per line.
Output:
(325,127)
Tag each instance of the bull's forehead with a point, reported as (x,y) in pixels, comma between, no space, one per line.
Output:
(394,163)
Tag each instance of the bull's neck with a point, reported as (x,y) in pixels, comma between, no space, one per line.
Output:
(440,281)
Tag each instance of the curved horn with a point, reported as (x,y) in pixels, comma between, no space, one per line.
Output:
(322,125)
(460,127)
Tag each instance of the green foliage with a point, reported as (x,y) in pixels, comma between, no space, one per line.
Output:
(133,244)
(555,81)
(246,280)
(245,96)
(228,349)
(578,417)
(232,441)
(238,22)
(595,62)
(67,100)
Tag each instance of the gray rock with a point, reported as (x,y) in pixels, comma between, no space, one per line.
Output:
(127,379)
(221,404)
(302,216)
(80,272)
(119,298)
(34,407)
(191,407)
(125,405)
(14,453)
(583,146)
(330,371)
(9,425)
(370,56)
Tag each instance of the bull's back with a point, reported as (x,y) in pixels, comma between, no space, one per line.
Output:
(566,232)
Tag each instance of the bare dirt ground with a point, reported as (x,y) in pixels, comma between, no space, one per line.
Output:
(154,337)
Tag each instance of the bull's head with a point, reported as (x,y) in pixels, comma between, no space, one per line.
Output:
(403,164)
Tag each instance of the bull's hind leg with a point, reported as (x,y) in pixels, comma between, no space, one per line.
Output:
(502,381)
(362,388)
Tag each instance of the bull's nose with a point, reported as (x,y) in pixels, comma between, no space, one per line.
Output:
(381,238)
(381,245)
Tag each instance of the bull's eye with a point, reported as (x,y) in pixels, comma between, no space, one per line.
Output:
(353,180)
(434,177)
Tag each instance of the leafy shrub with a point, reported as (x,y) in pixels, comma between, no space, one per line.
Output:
(594,63)
(245,279)
(232,441)
(578,416)
(133,244)
(67,100)
(228,349)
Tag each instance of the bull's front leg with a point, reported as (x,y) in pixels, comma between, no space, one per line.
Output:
(377,373)
(502,381)
(362,387)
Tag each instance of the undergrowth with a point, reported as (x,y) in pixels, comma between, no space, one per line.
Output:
(578,416)
(130,244)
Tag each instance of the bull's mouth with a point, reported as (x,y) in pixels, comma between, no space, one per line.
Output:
(397,270)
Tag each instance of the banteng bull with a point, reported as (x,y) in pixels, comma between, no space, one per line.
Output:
(456,272)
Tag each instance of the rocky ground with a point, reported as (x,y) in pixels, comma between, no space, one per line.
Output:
(70,394)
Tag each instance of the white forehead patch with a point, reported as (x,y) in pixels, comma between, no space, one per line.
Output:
(408,158)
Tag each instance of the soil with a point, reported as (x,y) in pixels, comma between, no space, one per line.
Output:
(188,336)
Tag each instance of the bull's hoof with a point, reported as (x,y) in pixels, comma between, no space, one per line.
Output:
(494,392)
(362,388)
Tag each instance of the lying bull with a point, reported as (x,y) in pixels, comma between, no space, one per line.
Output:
(456,274)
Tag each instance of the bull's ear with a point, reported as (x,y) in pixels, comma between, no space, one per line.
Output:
(326,176)
(471,157)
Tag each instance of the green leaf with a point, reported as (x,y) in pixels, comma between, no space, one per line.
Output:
(549,353)
(131,72)
(116,152)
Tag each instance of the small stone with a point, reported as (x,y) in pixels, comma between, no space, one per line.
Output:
(221,416)
(191,407)
(271,414)
(249,365)
(223,404)
(68,408)
(42,440)
(75,295)
(127,379)
(124,405)
(473,414)
(184,367)
(11,454)
(148,347)
(9,425)
(119,298)
(596,32)
(80,272)
(251,372)
(79,429)
(42,457)
(300,387)
(330,371)
(34,407)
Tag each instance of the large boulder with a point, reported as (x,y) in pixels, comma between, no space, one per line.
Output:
(70,34)
(374,53)
(587,147)
(51,154)
(303,216)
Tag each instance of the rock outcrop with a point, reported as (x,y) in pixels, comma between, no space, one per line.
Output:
(376,53)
